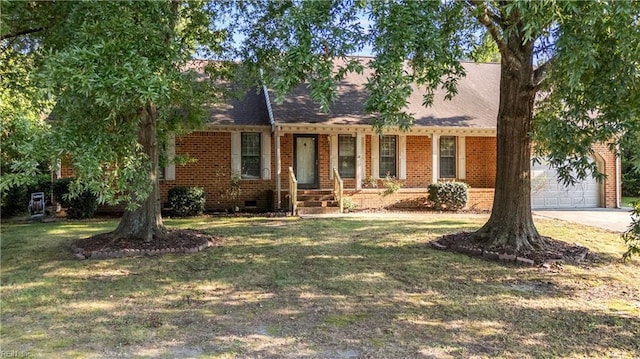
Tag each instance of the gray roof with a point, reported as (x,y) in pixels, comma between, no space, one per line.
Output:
(474,106)
(250,110)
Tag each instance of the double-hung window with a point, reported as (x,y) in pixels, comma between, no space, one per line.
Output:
(388,155)
(250,155)
(447,157)
(347,156)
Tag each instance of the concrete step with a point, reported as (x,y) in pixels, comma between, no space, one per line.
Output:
(317,210)
(309,197)
(317,204)
(318,192)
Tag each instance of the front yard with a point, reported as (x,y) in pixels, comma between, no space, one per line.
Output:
(314,288)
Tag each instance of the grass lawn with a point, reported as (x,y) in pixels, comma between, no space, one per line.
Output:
(626,201)
(314,288)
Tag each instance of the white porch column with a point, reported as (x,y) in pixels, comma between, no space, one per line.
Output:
(435,158)
(278,171)
(462,158)
(333,149)
(402,156)
(375,156)
(360,161)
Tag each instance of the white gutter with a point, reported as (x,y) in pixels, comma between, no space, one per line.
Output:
(618,166)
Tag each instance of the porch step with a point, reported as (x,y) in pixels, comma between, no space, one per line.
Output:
(317,210)
(316,202)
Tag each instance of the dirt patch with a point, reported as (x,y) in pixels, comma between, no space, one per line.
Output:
(553,252)
(176,241)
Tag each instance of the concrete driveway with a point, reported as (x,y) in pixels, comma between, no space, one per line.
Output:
(616,220)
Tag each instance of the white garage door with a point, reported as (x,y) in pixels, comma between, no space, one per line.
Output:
(547,190)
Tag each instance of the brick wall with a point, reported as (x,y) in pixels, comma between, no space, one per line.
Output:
(480,162)
(607,164)
(479,198)
(418,162)
(210,168)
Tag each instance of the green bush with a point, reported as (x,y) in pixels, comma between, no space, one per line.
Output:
(80,207)
(632,235)
(187,201)
(15,200)
(450,196)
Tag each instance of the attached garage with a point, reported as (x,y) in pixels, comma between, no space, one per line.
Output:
(548,191)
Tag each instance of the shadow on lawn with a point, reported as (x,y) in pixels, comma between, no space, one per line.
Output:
(326,288)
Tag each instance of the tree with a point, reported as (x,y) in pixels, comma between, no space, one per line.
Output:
(115,72)
(569,75)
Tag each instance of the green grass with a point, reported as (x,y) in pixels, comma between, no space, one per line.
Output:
(325,288)
(626,201)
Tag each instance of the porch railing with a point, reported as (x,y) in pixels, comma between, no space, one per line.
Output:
(293,192)
(338,189)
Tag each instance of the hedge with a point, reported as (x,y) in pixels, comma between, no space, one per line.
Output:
(451,196)
(187,201)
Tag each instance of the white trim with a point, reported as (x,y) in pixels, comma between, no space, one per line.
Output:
(170,168)
(265,154)
(278,172)
(360,161)
(236,153)
(435,158)
(58,168)
(375,156)
(314,128)
(462,158)
(333,158)
(402,157)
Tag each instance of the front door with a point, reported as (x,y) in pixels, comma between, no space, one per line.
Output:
(306,160)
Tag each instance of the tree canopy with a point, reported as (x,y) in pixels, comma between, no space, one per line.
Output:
(117,74)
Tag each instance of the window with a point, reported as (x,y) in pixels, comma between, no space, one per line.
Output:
(447,157)
(250,155)
(388,156)
(347,156)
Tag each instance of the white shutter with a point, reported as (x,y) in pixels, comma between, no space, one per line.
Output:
(402,156)
(462,158)
(375,156)
(435,158)
(266,155)
(333,144)
(236,153)
(170,168)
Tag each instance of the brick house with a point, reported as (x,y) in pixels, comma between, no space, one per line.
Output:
(451,140)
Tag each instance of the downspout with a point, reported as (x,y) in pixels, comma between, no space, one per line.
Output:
(276,136)
(618,166)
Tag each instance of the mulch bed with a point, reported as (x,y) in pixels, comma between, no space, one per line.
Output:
(103,246)
(553,253)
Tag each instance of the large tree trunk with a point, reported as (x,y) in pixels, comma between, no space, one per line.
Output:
(511,222)
(145,222)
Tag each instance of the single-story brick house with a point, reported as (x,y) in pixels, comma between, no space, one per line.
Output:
(451,140)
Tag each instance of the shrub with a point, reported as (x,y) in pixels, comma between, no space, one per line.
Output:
(391,186)
(632,236)
(82,206)
(348,204)
(451,196)
(187,201)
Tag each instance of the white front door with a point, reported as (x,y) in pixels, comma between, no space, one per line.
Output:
(306,161)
